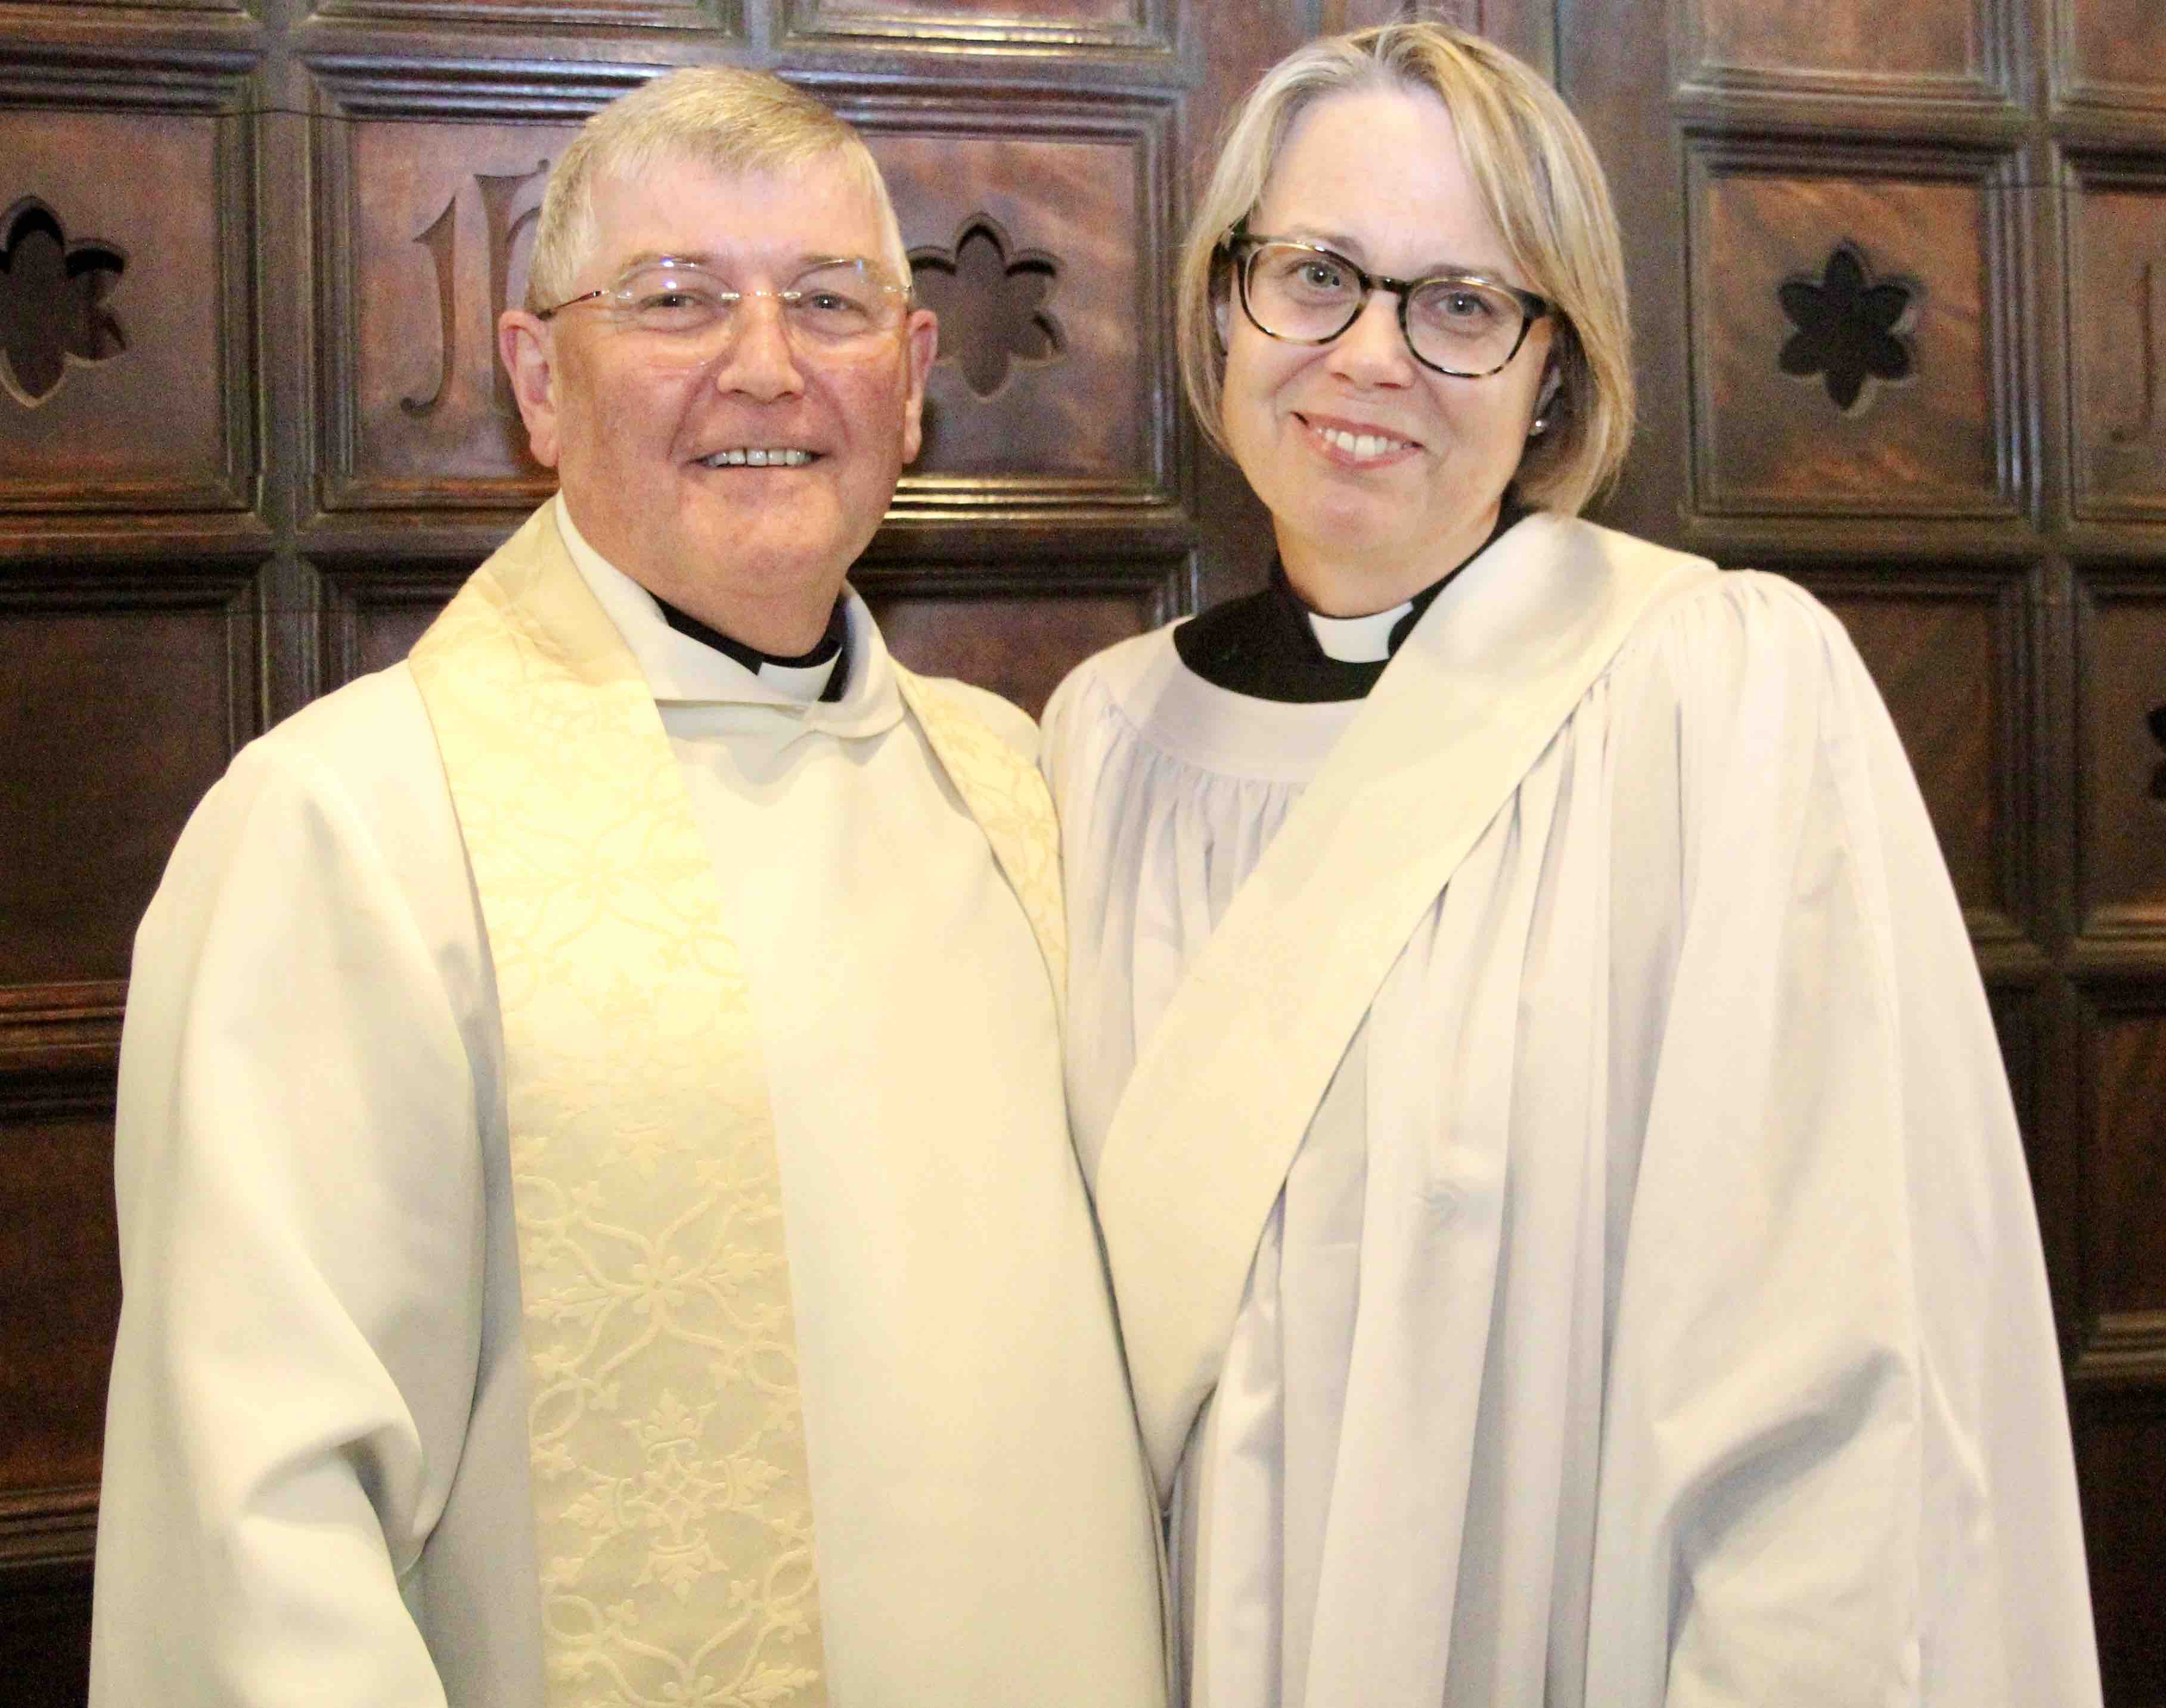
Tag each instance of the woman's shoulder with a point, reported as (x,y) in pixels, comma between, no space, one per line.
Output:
(1111,678)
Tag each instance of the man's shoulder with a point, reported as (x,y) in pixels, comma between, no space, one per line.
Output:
(1001,717)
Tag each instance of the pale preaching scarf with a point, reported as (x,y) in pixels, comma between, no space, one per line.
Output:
(666,1426)
(1652,1312)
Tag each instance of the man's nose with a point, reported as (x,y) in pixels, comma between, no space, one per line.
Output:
(757,355)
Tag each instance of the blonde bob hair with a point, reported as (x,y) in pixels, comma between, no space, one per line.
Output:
(735,121)
(1536,176)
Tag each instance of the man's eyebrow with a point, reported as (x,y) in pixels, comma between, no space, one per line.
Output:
(810,261)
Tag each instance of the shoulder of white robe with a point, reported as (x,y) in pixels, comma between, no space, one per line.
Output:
(1008,798)
(1224,1089)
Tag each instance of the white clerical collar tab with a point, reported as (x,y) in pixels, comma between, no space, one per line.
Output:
(801,681)
(1358,640)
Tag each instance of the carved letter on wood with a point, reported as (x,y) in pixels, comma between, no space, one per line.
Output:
(498,194)
(52,302)
(2152,308)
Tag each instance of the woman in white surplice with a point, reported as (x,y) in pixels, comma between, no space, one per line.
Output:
(1572,1236)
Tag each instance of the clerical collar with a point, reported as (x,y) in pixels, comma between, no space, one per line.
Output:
(1271,647)
(820,674)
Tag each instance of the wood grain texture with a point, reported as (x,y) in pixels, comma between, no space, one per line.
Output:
(1865,40)
(1769,443)
(2120,678)
(1940,658)
(2126,1260)
(150,428)
(114,723)
(427,237)
(1100,412)
(2116,269)
(1018,646)
(2113,52)
(61,1277)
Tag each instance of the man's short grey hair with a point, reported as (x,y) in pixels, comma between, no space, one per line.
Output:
(1536,176)
(736,121)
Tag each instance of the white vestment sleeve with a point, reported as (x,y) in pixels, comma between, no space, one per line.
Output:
(1836,1466)
(301,1210)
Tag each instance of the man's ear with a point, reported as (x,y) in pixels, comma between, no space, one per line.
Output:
(922,334)
(523,342)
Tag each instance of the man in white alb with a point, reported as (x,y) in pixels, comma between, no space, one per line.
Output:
(598,1224)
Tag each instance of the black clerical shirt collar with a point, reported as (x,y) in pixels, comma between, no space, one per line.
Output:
(1263,645)
(833,648)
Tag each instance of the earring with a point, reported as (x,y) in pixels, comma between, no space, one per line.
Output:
(1541,426)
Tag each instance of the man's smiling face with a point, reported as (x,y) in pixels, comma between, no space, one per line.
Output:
(647,437)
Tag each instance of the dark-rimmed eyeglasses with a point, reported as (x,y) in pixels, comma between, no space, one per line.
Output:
(1455,324)
(831,303)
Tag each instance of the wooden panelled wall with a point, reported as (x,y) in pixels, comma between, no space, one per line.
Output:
(1901,281)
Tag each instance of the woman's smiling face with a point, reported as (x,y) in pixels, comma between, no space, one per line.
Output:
(1380,474)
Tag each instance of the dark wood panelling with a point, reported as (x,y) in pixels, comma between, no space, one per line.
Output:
(2121,1441)
(424,230)
(1946,650)
(125,702)
(1924,49)
(44,1637)
(1143,26)
(163,421)
(1019,645)
(2112,53)
(2120,778)
(1087,187)
(374,614)
(2116,268)
(61,1280)
(2122,1260)
(723,15)
(1939,441)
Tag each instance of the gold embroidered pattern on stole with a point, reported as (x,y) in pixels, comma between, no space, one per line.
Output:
(1011,803)
(672,1500)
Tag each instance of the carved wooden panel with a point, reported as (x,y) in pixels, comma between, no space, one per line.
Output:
(61,1275)
(1043,230)
(2120,699)
(1850,341)
(2123,1261)
(1926,49)
(2111,52)
(726,15)
(373,613)
(2116,266)
(1945,649)
(1018,644)
(1134,24)
(424,231)
(125,370)
(125,702)
(2121,1441)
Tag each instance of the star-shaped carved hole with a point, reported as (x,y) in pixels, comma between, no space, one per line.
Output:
(2157,722)
(1851,330)
(991,303)
(52,302)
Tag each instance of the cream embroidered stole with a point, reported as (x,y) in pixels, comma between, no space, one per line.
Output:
(1221,1095)
(672,1507)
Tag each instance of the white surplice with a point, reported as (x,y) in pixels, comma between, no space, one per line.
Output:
(316,1475)
(1653,1310)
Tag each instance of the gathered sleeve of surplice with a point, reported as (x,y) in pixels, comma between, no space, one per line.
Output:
(300,1194)
(1836,1466)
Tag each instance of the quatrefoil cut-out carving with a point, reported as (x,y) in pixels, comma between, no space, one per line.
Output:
(52,302)
(991,301)
(1851,330)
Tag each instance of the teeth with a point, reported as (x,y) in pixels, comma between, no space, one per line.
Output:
(1363,445)
(775,457)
